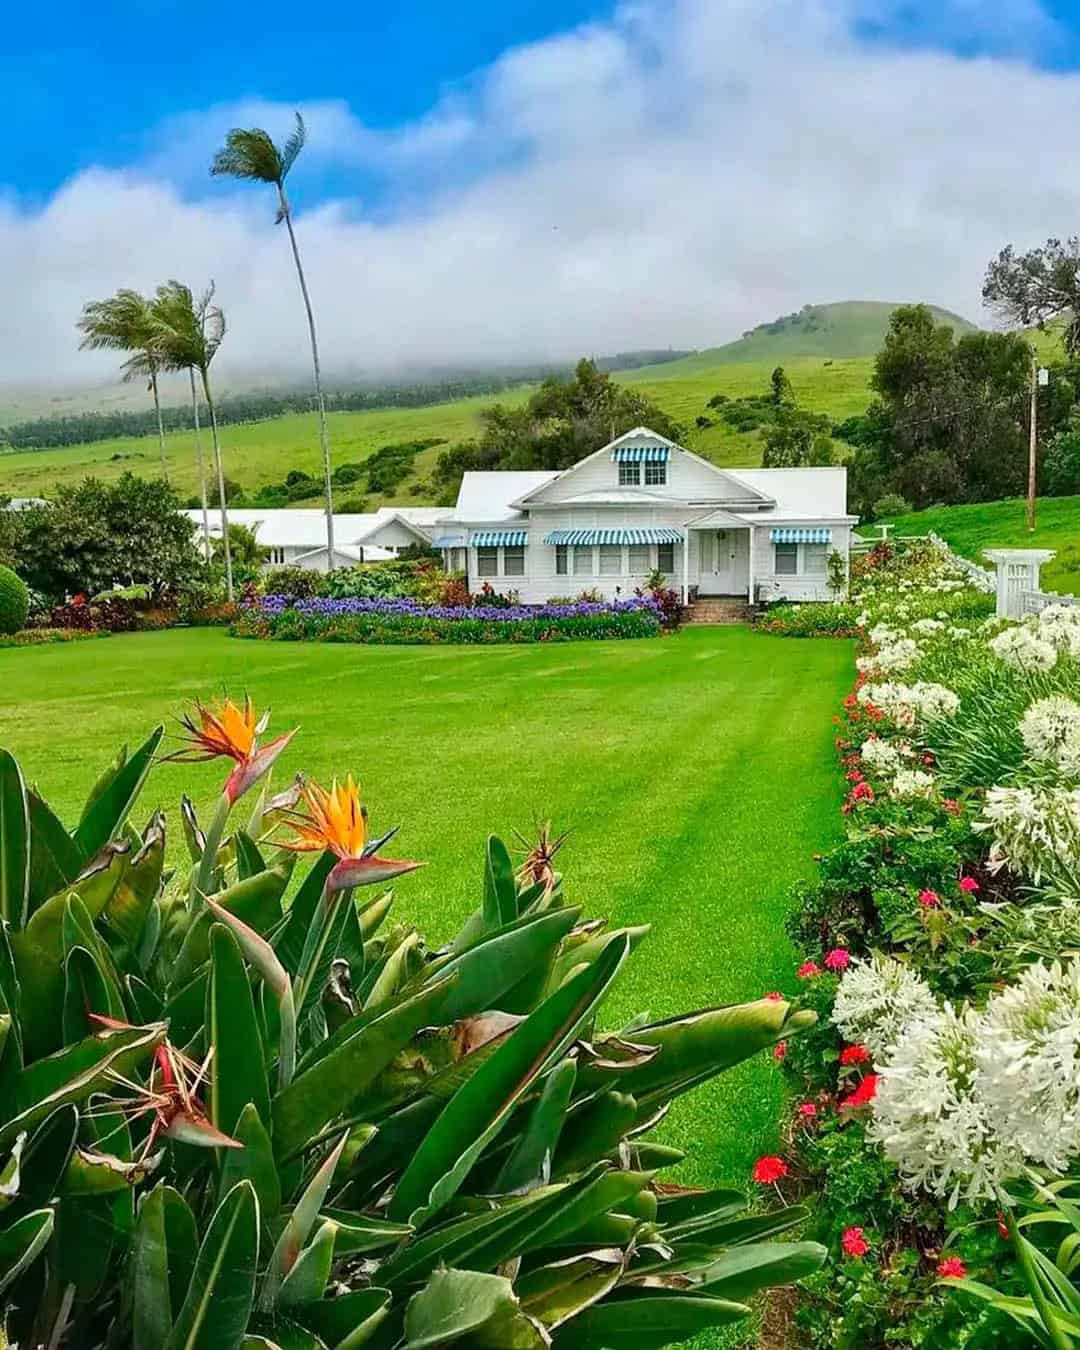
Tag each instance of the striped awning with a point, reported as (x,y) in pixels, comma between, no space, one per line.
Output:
(656,534)
(498,538)
(813,534)
(449,541)
(640,454)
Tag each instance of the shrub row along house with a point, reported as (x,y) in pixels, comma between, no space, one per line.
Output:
(641,503)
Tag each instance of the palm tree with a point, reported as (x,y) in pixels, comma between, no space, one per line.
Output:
(252,155)
(187,333)
(122,324)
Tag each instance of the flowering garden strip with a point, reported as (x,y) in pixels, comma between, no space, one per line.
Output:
(941,940)
(407,621)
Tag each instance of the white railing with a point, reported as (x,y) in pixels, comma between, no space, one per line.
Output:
(978,576)
(1032,602)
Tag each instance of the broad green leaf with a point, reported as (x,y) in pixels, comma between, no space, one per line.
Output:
(14,842)
(530,1161)
(238,1069)
(500,889)
(86,991)
(476,1113)
(163,1258)
(254,1162)
(249,861)
(46,1157)
(393,972)
(21,1242)
(290,944)
(105,814)
(454,1303)
(256,902)
(127,912)
(647,1321)
(741,1272)
(362,1233)
(555,1293)
(308,1278)
(92,1173)
(296,1230)
(10,1172)
(321,1093)
(594,1130)
(55,858)
(216,1310)
(334,933)
(348,1321)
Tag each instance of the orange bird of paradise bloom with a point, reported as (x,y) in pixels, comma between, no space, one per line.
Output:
(336,820)
(223,728)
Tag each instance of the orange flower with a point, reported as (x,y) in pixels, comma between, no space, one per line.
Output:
(225,729)
(336,820)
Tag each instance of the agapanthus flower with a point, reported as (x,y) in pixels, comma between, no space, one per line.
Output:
(769,1169)
(335,820)
(913,783)
(225,729)
(854,1242)
(1024,650)
(1034,830)
(1050,729)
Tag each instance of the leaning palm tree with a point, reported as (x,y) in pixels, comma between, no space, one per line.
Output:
(251,154)
(122,324)
(187,333)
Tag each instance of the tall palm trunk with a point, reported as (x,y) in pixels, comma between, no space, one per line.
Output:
(286,215)
(207,551)
(160,428)
(221,485)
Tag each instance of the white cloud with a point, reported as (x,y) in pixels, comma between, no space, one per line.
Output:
(674,176)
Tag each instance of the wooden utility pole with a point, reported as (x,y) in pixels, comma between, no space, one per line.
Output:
(1033,438)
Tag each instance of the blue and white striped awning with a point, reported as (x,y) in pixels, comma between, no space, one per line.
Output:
(813,534)
(655,534)
(450,541)
(640,454)
(498,538)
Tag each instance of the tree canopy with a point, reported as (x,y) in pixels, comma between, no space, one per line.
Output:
(1025,289)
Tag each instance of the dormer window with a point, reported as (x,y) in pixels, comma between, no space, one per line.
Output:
(655,473)
(630,475)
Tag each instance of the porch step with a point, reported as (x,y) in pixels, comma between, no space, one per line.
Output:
(718,611)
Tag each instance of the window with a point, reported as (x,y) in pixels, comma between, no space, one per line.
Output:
(277,556)
(487,562)
(815,559)
(665,558)
(656,474)
(640,565)
(562,560)
(514,561)
(610,560)
(583,564)
(787,560)
(629,475)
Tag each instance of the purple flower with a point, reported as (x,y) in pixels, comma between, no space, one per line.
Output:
(273,605)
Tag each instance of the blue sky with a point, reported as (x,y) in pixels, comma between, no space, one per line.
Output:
(497,181)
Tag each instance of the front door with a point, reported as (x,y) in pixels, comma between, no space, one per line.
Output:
(722,561)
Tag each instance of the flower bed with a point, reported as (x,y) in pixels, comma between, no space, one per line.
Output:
(408,621)
(941,1085)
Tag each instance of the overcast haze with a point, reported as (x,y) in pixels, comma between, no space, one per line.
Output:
(669,175)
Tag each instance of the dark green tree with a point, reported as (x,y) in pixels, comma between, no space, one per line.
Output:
(782,394)
(1029,289)
(795,439)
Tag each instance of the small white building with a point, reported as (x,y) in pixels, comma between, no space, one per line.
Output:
(641,503)
(297,537)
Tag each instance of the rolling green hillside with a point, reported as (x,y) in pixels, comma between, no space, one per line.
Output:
(970,529)
(827,351)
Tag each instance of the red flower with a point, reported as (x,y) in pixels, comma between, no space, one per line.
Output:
(968,884)
(929,899)
(1003,1227)
(853,1242)
(807,1110)
(779,1050)
(951,1268)
(808,970)
(862,792)
(854,776)
(951,805)
(854,1054)
(768,1169)
(774,996)
(837,959)
(863,1095)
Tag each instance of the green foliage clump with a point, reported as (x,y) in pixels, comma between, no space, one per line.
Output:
(14,601)
(238,1111)
(891,504)
(388,629)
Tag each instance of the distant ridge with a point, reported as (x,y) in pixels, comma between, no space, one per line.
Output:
(848,329)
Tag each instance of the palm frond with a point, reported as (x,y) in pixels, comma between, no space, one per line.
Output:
(187,331)
(293,146)
(120,323)
(250,154)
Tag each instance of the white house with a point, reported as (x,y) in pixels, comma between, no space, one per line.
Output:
(298,537)
(643,502)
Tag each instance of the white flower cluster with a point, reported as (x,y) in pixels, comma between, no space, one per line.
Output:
(884,758)
(898,655)
(907,704)
(1059,625)
(1032,828)
(1050,730)
(927,627)
(1024,650)
(875,1002)
(912,783)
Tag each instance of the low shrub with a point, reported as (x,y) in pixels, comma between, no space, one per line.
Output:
(295,583)
(813,619)
(14,602)
(39,637)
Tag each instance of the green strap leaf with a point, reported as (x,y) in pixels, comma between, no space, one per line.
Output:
(238,1067)
(295,1233)
(307,1280)
(55,858)
(106,812)
(348,1321)
(14,842)
(455,1303)
(530,1162)
(249,861)
(647,1321)
(254,1162)
(500,889)
(216,1310)
(742,1271)
(22,1242)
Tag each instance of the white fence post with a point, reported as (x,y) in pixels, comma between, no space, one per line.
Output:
(1017,574)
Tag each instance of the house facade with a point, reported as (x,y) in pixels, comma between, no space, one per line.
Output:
(297,537)
(641,503)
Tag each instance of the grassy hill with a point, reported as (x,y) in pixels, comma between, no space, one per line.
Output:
(827,351)
(970,529)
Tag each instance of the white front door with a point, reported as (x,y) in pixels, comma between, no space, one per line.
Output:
(723,556)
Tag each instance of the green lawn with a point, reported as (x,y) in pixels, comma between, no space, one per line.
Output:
(970,529)
(696,773)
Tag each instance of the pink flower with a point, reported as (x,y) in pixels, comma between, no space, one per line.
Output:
(779,1050)
(853,1242)
(968,884)
(862,792)
(807,1110)
(863,1095)
(854,1054)
(808,970)
(837,959)
(929,899)
(769,1169)
(774,996)
(951,1268)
